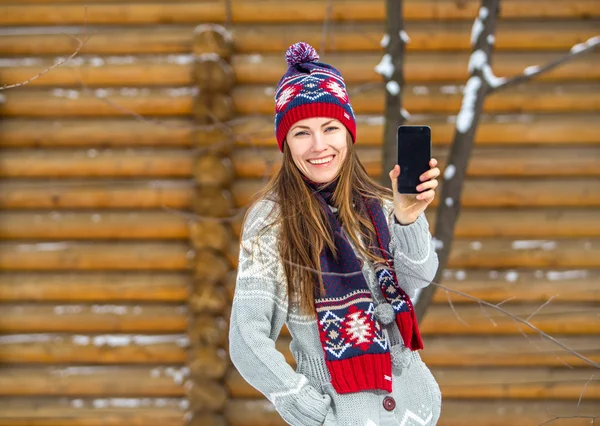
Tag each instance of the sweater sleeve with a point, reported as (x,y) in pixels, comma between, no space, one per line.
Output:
(258,313)
(415,259)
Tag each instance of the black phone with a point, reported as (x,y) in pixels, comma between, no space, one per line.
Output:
(414,154)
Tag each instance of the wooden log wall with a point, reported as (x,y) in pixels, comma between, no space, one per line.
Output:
(112,265)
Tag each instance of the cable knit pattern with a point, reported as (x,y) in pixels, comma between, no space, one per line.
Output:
(305,397)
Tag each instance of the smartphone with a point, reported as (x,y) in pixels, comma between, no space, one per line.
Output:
(414,154)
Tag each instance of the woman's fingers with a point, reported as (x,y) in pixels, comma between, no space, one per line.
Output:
(430,184)
(427,196)
(394,173)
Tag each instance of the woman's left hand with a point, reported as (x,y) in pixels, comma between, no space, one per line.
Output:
(408,207)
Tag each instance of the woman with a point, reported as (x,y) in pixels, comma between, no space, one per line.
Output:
(336,257)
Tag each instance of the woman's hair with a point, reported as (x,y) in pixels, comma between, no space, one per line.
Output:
(304,228)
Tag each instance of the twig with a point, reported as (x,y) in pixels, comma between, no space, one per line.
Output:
(454,310)
(534,71)
(540,308)
(61,62)
(326,24)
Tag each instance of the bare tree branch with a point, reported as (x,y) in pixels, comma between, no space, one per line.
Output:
(80,43)
(534,71)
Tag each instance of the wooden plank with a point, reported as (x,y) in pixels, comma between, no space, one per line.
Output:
(98,103)
(528,98)
(257,131)
(510,129)
(97,318)
(177,70)
(96,195)
(160,12)
(425,36)
(95,349)
(492,193)
(97,287)
(67,255)
(96,133)
(260,412)
(509,253)
(111,411)
(163,381)
(257,162)
(537,286)
(86,226)
(488,383)
(558,318)
(120,163)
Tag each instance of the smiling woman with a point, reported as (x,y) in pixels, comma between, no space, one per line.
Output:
(318,147)
(336,257)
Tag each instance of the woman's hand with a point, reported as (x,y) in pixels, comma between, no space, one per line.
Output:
(408,207)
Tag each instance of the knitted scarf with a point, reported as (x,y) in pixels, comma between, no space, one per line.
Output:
(356,350)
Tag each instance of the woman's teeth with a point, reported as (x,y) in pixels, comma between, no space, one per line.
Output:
(321,160)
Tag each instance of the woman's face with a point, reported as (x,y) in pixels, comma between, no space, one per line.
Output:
(318,147)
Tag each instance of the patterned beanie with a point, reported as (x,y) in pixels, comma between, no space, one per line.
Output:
(310,89)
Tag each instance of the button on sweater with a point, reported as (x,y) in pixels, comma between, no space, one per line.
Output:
(304,396)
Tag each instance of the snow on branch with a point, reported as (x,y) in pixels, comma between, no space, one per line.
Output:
(535,70)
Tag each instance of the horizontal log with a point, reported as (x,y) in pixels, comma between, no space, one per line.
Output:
(99,318)
(484,161)
(109,411)
(97,349)
(256,131)
(425,36)
(96,133)
(156,194)
(492,193)
(540,97)
(86,226)
(159,12)
(165,381)
(99,103)
(67,255)
(96,287)
(96,163)
(260,412)
(495,286)
(177,70)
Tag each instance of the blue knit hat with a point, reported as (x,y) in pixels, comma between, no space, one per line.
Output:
(310,89)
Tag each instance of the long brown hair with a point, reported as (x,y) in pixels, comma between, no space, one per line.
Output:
(303,225)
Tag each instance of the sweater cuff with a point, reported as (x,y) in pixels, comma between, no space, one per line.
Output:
(306,408)
(413,240)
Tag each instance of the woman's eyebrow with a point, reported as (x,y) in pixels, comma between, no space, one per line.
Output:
(308,128)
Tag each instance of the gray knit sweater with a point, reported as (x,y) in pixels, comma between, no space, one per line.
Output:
(305,396)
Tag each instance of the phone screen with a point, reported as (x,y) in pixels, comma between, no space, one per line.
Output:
(414,153)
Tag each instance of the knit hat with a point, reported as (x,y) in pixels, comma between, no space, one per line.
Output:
(310,89)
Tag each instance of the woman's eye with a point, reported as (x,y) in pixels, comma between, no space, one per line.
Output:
(331,128)
(301,134)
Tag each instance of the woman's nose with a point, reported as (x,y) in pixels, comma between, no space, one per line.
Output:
(319,142)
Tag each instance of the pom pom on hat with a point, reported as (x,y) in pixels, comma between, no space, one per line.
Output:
(300,53)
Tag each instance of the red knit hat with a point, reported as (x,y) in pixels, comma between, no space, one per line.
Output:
(310,89)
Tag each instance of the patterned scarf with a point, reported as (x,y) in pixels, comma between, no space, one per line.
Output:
(356,350)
